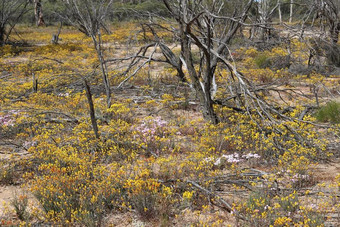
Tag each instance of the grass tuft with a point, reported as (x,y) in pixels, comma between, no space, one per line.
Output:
(329,113)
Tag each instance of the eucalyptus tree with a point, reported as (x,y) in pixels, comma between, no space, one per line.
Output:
(262,18)
(89,17)
(38,12)
(291,11)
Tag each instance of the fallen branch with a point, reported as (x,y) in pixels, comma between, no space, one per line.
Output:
(5,76)
(226,205)
(47,58)
(67,119)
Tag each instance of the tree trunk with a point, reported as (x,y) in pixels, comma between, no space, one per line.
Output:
(91,107)
(263,19)
(202,89)
(172,59)
(280,12)
(55,37)
(35,83)
(208,109)
(2,35)
(180,73)
(97,44)
(291,11)
(39,19)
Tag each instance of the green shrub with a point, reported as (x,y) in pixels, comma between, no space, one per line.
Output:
(333,55)
(152,6)
(263,61)
(329,113)
(8,173)
(20,205)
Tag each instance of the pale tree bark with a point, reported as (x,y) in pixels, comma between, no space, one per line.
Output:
(291,11)
(279,9)
(263,11)
(264,21)
(38,12)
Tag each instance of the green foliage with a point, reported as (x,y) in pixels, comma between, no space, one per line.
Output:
(10,172)
(151,6)
(7,175)
(128,11)
(20,205)
(333,55)
(263,61)
(268,207)
(329,113)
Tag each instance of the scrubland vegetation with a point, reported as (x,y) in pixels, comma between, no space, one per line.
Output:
(155,159)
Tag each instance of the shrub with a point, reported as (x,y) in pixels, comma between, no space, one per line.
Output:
(78,192)
(329,113)
(152,6)
(333,55)
(9,172)
(20,204)
(263,61)
(328,50)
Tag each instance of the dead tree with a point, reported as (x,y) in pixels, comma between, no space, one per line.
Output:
(207,29)
(262,19)
(326,45)
(323,48)
(330,10)
(55,37)
(89,17)
(203,26)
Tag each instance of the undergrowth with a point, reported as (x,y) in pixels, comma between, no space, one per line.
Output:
(155,156)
